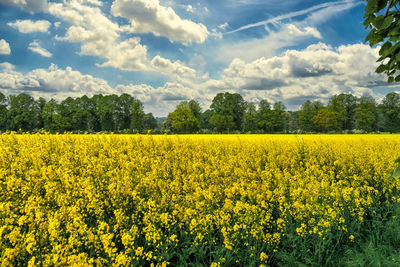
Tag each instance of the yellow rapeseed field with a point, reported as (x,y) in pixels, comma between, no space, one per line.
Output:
(140,199)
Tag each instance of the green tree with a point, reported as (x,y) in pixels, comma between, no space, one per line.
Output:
(383,21)
(23,112)
(222,122)
(183,119)
(3,112)
(278,117)
(95,124)
(63,115)
(307,113)
(195,108)
(228,104)
(390,108)
(366,115)
(293,121)
(137,116)
(325,120)
(250,118)
(41,102)
(125,102)
(150,123)
(343,106)
(48,116)
(108,112)
(80,113)
(205,119)
(168,122)
(265,116)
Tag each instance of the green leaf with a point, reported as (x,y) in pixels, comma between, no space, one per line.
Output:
(396,173)
(397,160)
(387,22)
(397,78)
(390,79)
(372,7)
(379,22)
(381,69)
(385,49)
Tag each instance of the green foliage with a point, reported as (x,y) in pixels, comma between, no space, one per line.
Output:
(325,120)
(229,105)
(3,112)
(278,117)
(150,122)
(205,120)
(383,21)
(306,115)
(23,112)
(343,106)
(250,118)
(222,122)
(49,114)
(138,117)
(183,119)
(366,115)
(265,116)
(390,108)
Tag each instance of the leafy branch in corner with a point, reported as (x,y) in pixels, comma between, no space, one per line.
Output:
(385,28)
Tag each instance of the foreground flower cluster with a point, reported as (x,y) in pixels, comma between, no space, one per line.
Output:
(207,200)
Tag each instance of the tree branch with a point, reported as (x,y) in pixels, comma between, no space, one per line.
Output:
(387,11)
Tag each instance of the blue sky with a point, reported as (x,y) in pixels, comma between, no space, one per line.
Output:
(166,51)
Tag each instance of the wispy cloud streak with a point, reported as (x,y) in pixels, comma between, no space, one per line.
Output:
(338,4)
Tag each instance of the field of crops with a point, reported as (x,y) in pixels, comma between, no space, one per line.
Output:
(188,200)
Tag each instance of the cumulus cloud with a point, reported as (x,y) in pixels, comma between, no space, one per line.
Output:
(6,66)
(35,47)
(4,47)
(53,82)
(31,6)
(148,16)
(176,68)
(99,36)
(28,26)
(317,72)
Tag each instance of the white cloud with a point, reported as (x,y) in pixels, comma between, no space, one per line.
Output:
(99,36)
(189,8)
(35,47)
(4,47)
(53,82)
(28,26)
(223,26)
(6,66)
(148,16)
(177,68)
(317,72)
(95,2)
(28,5)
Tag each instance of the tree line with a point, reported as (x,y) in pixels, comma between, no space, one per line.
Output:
(228,113)
(84,114)
(343,113)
